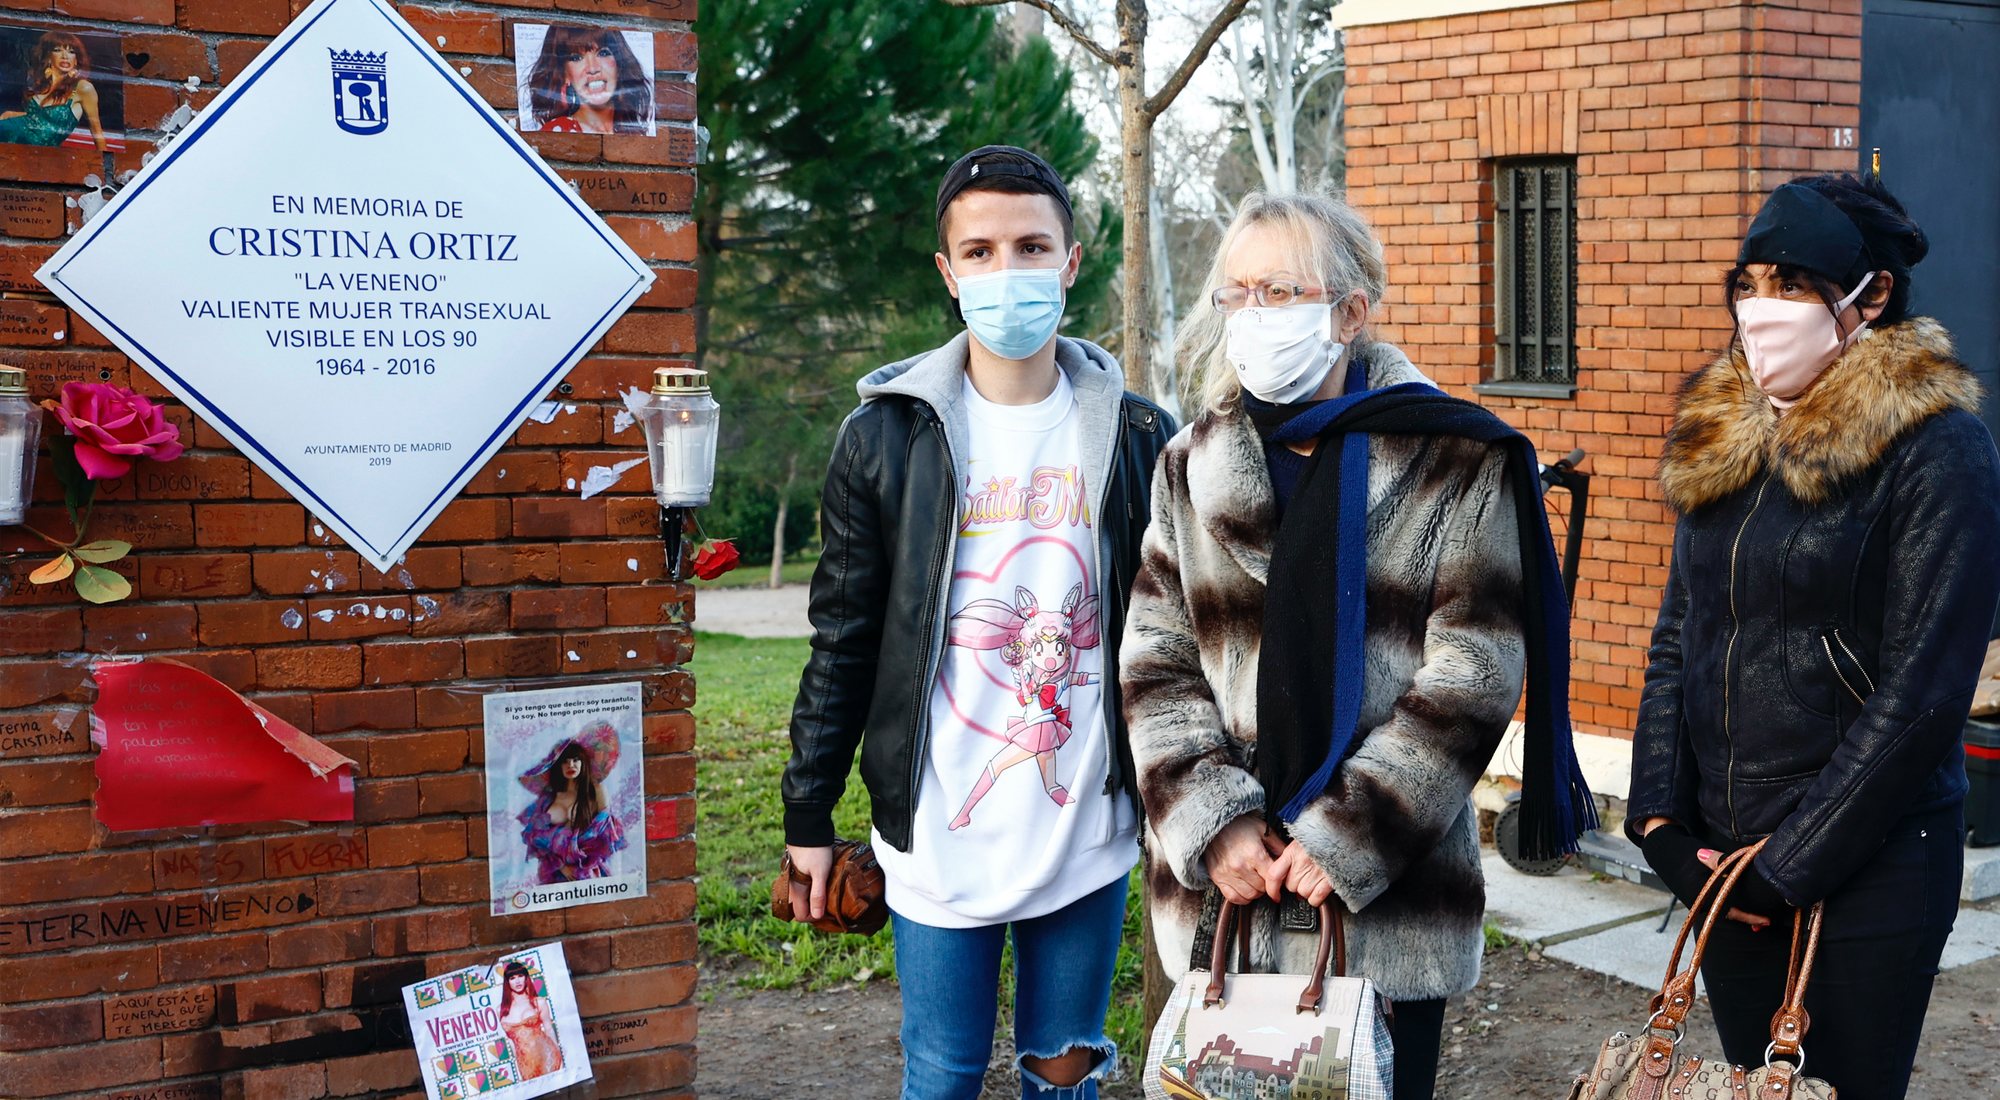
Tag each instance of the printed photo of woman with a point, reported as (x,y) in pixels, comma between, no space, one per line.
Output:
(569,832)
(584,80)
(51,95)
(529,1021)
(565,797)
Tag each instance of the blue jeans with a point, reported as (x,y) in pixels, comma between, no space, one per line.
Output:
(1062,989)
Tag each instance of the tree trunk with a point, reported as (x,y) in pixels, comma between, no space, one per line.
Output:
(1136,137)
(778,528)
(1026,25)
(1153,984)
(1163,317)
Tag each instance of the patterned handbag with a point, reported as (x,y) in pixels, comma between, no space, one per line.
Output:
(1240,1036)
(1651,1067)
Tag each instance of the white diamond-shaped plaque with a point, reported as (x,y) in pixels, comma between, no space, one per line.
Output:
(355,270)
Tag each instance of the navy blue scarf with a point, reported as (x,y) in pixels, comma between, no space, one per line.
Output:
(1315,611)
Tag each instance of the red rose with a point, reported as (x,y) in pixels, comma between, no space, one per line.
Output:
(713,559)
(114,427)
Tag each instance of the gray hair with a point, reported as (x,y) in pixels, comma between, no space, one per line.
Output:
(1334,246)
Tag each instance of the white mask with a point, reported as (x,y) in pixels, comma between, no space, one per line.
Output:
(1282,354)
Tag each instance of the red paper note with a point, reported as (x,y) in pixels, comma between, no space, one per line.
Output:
(177,748)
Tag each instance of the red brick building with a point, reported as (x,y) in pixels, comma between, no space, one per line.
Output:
(1656,127)
(516,579)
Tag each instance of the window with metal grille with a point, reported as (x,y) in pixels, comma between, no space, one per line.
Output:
(1534,270)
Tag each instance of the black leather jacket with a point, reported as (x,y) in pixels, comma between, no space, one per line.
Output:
(1823,623)
(887,516)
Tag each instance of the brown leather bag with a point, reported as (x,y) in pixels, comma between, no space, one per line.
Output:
(856,899)
(1651,1066)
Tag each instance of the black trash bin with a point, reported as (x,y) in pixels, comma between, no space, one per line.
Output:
(1982,767)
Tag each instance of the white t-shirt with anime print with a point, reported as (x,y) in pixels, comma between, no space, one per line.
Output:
(1013,820)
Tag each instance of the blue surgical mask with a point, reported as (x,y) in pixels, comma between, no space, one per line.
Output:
(1012,312)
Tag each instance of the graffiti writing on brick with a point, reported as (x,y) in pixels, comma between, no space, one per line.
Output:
(208,866)
(23,322)
(190,1090)
(155,918)
(37,735)
(312,855)
(604,1037)
(158,1013)
(635,190)
(183,577)
(30,214)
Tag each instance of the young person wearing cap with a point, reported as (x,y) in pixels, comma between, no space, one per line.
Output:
(1835,571)
(982,517)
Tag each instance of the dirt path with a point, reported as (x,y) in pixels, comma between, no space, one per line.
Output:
(754,612)
(1531,1025)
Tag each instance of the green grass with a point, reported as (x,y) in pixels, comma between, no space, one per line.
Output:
(746,691)
(758,575)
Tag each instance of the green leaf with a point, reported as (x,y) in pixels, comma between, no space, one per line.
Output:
(100,585)
(55,570)
(78,489)
(103,551)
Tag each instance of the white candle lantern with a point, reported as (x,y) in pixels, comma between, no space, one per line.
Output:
(681,421)
(20,432)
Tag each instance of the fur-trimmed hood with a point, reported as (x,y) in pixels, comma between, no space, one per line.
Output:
(1726,430)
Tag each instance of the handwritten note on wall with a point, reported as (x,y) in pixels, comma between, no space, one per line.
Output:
(178,748)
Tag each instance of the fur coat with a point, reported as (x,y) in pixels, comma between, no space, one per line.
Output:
(1395,830)
(1829,601)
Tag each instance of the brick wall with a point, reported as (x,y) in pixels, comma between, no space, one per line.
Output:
(518,578)
(1682,115)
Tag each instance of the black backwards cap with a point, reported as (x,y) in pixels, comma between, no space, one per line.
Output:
(970,169)
(1801,227)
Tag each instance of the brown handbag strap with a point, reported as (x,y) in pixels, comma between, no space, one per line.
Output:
(1676,996)
(1332,938)
(1790,1023)
(792,872)
(1332,944)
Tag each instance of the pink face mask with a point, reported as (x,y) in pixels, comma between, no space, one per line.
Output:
(1790,344)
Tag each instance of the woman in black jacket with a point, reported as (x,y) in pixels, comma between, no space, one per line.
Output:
(1834,578)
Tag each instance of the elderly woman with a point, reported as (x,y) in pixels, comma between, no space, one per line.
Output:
(1330,628)
(1834,575)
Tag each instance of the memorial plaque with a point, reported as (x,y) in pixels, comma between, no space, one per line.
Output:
(355,271)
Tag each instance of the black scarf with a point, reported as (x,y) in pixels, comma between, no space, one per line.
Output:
(1315,608)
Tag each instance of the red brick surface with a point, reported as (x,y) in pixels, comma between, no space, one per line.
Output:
(233,577)
(1682,115)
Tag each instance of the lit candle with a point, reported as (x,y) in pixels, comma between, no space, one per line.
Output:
(682,421)
(20,431)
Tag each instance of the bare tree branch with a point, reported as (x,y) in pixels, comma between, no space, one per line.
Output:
(1057,16)
(1169,91)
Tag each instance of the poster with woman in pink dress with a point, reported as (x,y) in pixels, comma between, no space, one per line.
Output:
(565,797)
(507,1030)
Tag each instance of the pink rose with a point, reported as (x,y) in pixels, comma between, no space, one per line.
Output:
(113,428)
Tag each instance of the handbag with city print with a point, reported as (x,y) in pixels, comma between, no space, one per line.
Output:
(1246,1036)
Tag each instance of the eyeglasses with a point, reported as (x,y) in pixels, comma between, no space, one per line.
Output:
(1229,299)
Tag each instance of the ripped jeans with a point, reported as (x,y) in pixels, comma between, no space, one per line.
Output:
(1062,989)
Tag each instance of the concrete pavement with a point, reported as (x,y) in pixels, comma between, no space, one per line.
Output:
(1613,927)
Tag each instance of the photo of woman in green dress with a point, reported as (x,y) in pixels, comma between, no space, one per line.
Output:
(57,96)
